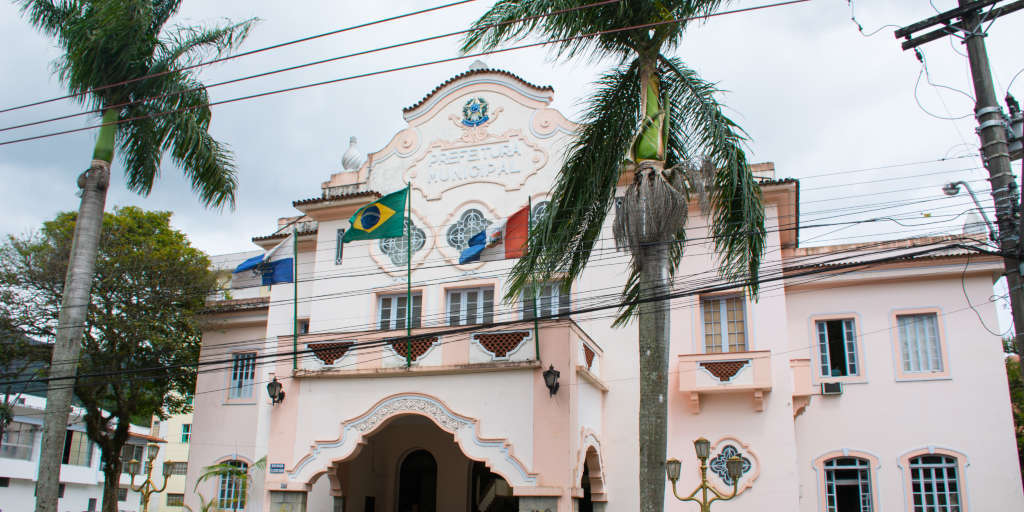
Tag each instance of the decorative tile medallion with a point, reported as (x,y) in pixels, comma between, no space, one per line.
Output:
(470,223)
(717,464)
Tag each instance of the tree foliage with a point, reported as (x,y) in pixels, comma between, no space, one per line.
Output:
(141,334)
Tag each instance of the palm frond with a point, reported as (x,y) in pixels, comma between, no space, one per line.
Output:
(563,238)
(701,127)
(48,15)
(188,45)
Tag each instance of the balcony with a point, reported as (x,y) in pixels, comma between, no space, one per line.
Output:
(726,372)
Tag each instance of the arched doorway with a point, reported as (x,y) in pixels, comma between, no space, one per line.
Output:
(587,501)
(417,483)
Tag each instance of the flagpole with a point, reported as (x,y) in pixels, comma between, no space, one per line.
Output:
(533,291)
(408,275)
(295,298)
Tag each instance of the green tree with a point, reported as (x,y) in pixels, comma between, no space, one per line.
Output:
(148,287)
(240,474)
(119,60)
(654,119)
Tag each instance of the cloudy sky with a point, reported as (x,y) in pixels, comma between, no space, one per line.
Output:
(825,103)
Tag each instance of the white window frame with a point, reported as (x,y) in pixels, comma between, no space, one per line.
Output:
(186,433)
(130,452)
(551,300)
(938,475)
(482,313)
(77,452)
(18,441)
(919,355)
(231,491)
(849,346)
(721,302)
(863,468)
(243,375)
(178,467)
(179,499)
(387,306)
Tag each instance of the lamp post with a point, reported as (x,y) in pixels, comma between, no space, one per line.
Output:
(148,488)
(734,467)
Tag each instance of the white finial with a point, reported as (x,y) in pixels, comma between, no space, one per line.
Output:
(352,160)
(477,65)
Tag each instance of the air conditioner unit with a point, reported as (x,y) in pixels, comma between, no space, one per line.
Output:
(831,388)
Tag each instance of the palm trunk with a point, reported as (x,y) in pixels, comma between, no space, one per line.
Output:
(653,344)
(73,309)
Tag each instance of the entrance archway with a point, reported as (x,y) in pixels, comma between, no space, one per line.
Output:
(417,483)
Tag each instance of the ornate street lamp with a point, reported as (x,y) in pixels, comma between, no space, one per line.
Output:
(148,488)
(275,392)
(733,466)
(551,379)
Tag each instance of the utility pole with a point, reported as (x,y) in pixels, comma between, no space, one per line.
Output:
(967,22)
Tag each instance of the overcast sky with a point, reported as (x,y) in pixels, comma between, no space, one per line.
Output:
(815,96)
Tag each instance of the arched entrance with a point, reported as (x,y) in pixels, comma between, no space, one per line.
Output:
(417,483)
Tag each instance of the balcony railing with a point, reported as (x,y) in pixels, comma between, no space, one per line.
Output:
(726,372)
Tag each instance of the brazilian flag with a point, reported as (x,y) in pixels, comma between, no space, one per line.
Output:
(383,218)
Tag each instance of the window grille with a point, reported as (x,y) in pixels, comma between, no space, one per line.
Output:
(845,476)
(919,343)
(551,300)
(392,312)
(122,494)
(934,484)
(18,441)
(837,347)
(179,468)
(339,249)
(470,223)
(175,500)
(232,490)
(243,371)
(397,248)
(470,306)
(724,324)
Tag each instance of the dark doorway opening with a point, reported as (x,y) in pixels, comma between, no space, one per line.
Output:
(586,502)
(417,483)
(489,492)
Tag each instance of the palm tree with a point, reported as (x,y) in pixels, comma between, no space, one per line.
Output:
(240,474)
(123,42)
(656,121)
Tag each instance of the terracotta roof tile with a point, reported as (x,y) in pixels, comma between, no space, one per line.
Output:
(351,195)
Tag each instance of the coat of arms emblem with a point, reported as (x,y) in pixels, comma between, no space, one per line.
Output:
(474,112)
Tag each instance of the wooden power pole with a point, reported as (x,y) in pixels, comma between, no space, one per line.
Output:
(967,22)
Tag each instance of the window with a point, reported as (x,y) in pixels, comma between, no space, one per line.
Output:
(243,370)
(551,300)
(339,249)
(288,501)
(837,347)
(17,441)
(175,500)
(129,453)
(934,485)
(470,306)
(919,343)
(186,431)
(179,468)
(60,491)
(155,429)
(393,314)
(847,485)
(231,494)
(92,505)
(77,449)
(303,326)
(122,494)
(5,481)
(724,324)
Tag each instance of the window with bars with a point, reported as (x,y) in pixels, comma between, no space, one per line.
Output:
(934,485)
(724,324)
(122,494)
(18,440)
(186,432)
(130,452)
(550,300)
(470,306)
(243,372)
(175,500)
(392,313)
(179,468)
(920,348)
(848,485)
(837,347)
(77,449)
(232,488)
(339,249)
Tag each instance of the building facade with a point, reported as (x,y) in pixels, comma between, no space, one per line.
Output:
(461,417)
(81,479)
(176,430)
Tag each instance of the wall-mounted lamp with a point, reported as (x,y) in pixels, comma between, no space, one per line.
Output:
(275,392)
(551,379)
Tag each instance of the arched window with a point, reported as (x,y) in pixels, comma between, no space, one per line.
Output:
(935,483)
(848,485)
(470,223)
(397,248)
(233,485)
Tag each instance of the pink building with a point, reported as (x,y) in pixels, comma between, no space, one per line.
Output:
(916,412)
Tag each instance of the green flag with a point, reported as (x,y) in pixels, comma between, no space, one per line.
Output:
(383,218)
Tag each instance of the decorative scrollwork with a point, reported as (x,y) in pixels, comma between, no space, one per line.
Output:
(470,223)
(396,248)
